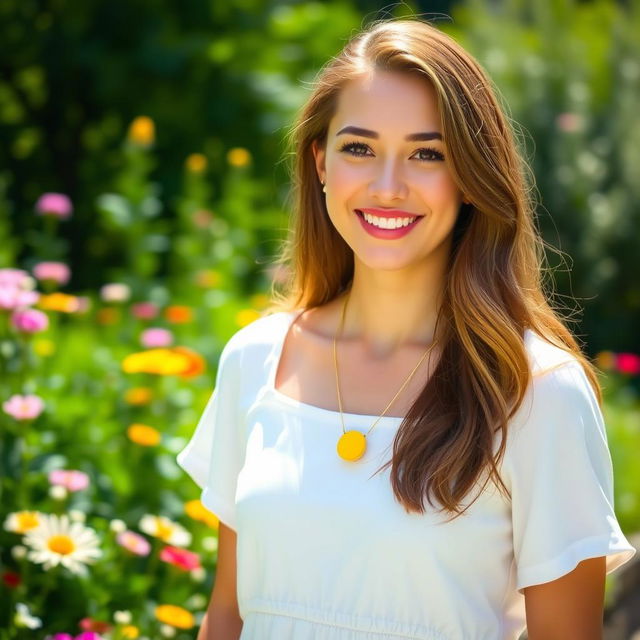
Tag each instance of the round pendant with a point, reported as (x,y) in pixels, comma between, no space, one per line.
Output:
(352,445)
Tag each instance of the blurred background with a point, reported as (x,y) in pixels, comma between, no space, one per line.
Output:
(143,200)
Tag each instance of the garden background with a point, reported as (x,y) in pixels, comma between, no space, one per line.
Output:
(143,199)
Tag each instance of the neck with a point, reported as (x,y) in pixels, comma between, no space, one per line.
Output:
(389,310)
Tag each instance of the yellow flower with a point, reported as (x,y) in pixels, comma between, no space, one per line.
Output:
(130,631)
(59,302)
(44,347)
(259,300)
(174,616)
(138,396)
(246,316)
(208,278)
(196,163)
(22,521)
(238,157)
(174,361)
(144,435)
(197,511)
(142,131)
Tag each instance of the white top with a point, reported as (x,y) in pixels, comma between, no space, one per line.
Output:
(325,552)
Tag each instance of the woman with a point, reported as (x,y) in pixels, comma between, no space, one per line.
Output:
(410,444)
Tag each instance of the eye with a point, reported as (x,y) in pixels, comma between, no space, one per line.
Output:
(358,150)
(350,148)
(434,154)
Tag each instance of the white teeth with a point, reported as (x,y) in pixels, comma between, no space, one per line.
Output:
(387,223)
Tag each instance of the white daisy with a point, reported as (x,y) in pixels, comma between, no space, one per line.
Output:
(23,617)
(22,521)
(166,530)
(57,541)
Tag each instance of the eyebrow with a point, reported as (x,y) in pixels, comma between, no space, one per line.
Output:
(412,137)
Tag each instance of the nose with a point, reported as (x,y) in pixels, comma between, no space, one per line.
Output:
(388,183)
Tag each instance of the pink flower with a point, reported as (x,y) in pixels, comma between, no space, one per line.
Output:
(17,278)
(59,272)
(14,298)
(156,337)
(84,304)
(134,542)
(29,320)
(115,292)
(60,636)
(570,122)
(181,558)
(71,480)
(628,363)
(144,310)
(54,204)
(25,407)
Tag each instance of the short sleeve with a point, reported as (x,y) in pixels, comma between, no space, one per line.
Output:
(560,474)
(213,457)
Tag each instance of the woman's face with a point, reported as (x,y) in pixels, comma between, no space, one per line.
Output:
(378,168)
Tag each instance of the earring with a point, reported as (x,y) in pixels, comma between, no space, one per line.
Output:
(324,186)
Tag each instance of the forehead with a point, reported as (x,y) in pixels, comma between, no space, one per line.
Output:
(387,101)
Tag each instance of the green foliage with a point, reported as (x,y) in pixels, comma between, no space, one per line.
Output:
(569,73)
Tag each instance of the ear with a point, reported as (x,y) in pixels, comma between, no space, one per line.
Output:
(319,154)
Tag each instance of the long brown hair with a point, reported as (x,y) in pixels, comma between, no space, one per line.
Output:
(494,288)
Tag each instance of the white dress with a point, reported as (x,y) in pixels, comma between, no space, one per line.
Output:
(325,552)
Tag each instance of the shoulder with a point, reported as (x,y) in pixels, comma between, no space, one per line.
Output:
(560,390)
(258,337)
(545,357)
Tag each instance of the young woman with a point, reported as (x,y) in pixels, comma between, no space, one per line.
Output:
(410,443)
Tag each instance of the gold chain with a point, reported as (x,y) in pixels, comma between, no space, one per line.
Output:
(335,362)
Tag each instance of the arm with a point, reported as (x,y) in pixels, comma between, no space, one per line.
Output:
(569,607)
(222,620)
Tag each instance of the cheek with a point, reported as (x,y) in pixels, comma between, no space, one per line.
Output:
(440,190)
(344,176)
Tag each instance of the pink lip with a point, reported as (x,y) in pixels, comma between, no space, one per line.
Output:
(387,234)
(390,213)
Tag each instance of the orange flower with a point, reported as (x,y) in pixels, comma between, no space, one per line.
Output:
(174,616)
(196,366)
(142,131)
(238,157)
(60,302)
(171,361)
(108,315)
(197,511)
(178,314)
(606,360)
(196,163)
(138,396)
(144,435)
(246,316)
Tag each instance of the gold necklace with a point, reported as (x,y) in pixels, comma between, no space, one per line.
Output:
(352,444)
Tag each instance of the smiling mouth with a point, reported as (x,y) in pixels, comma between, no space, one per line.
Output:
(399,222)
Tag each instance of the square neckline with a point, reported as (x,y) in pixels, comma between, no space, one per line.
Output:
(283,399)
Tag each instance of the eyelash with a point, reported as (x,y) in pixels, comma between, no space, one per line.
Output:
(351,145)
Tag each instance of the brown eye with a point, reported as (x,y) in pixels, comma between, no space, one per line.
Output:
(350,148)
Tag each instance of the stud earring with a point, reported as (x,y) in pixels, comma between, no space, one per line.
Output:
(324,186)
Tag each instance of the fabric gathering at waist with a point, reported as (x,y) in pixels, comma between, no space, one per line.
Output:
(265,617)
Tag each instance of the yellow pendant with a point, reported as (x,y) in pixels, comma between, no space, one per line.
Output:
(352,445)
